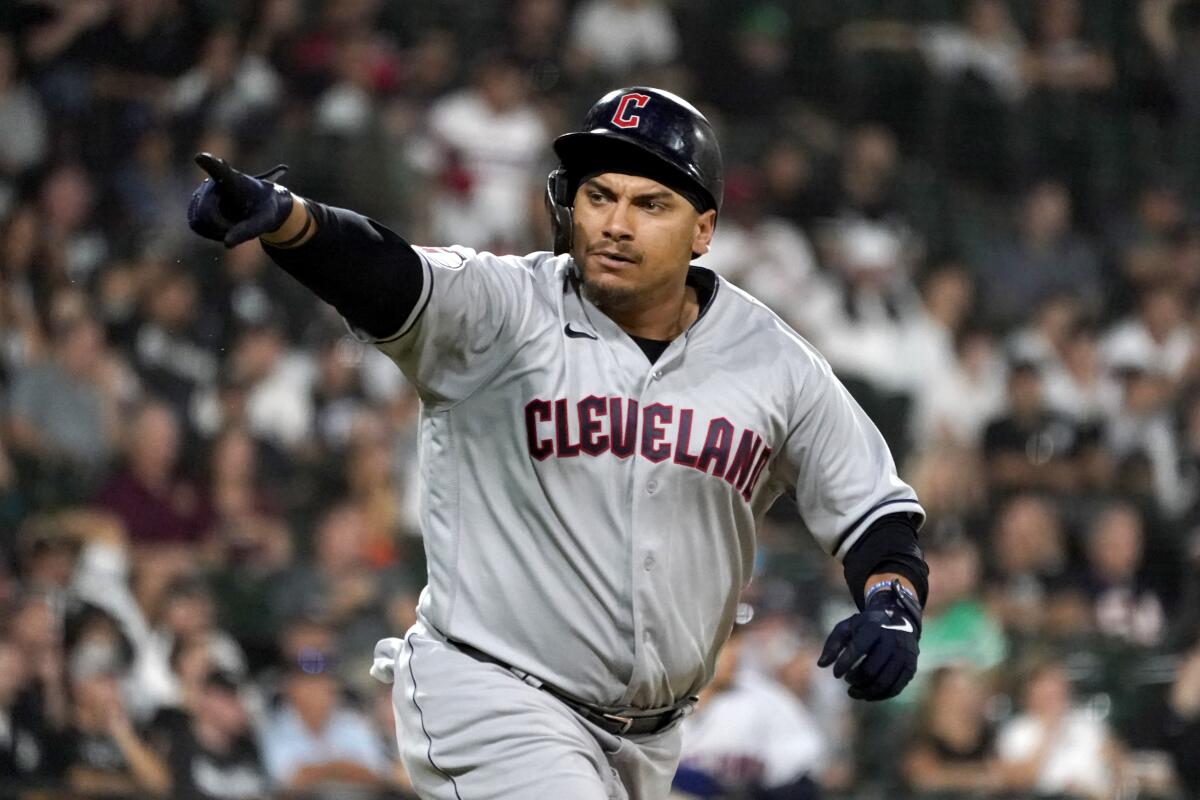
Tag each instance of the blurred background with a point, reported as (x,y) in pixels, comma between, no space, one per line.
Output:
(986,213)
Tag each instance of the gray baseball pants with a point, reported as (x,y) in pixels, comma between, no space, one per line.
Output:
(470,730)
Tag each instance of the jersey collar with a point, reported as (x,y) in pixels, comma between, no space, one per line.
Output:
(706,284)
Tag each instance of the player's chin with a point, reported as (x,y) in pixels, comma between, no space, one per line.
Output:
(607,289)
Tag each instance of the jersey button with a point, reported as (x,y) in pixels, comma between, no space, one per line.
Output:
(652,487)
(657,374)
(648,563)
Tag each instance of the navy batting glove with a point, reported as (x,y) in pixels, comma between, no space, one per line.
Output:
(233,207)
(876,649)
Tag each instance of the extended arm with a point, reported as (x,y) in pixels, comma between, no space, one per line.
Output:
(368,273)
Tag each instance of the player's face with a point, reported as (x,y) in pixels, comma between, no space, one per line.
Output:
(634,239)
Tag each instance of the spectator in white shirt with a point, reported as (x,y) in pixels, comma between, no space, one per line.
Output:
(749,733)
(1054,747)
(485,146)
(615,36)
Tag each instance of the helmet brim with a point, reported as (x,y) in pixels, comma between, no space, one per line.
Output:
(582,153)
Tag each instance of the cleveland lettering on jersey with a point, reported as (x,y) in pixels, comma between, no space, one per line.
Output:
(597,425)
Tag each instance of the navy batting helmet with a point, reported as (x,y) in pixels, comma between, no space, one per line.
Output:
(643,130)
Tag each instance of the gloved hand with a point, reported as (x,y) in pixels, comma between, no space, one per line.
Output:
(876,649)
(233,207)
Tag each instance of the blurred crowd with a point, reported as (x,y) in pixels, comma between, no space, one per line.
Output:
(986,213)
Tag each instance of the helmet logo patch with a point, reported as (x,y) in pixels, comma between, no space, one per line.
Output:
(625,116)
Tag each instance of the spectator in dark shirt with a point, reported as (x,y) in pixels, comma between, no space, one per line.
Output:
(1029,588)
(25,741)
(211,753)
(1123,606)
(174,349)
(1030,446)
(157,507)
(953,749)
(104,753)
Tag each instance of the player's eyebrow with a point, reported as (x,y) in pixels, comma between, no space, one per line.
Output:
(657,195)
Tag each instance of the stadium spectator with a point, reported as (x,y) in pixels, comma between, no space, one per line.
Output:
(248,290)
(211,752)
(768,256)
(62,415)
(186,614)
(953,748)
(340,585)
(748,734)
(868,323)
(23,126)
(150,189)
(1124,607)
(959,399)
(277,381)
(977,64)
(1144,236)
(174,347)
(1157,338)
(26,742)
(1030,446)
(536,30)
(1078,385)
(104,753)
(1043,340)
(1067,119)
(959,629)
(616,37)
(1054,746)
(1044,257)
(313,739)
(789,177)
(1030,591)
(155,504)
(383,719)
(485,142)
(761,70)
(247,526)
(227,88)
(52,241)
(1141,436)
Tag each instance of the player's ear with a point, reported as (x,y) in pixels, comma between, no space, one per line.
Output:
(703,232)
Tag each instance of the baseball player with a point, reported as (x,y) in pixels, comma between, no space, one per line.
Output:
(601,427)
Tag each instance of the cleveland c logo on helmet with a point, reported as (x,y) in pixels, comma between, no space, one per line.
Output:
(624,116)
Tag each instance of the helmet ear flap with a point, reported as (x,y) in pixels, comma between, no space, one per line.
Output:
(558,203)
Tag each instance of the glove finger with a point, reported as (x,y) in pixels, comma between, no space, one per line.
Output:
(897,686)
(249,228)
(838,638)
(891,681)
(859,648)
(871,668)
(222,174)
(203,216)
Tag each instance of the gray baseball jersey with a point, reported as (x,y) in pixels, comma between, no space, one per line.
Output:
(589,517)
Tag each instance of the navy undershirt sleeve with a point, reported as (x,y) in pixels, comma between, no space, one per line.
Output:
(888,545)
(368,273)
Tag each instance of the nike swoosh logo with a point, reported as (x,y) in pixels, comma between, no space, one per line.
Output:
(907,627)
(574,334)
